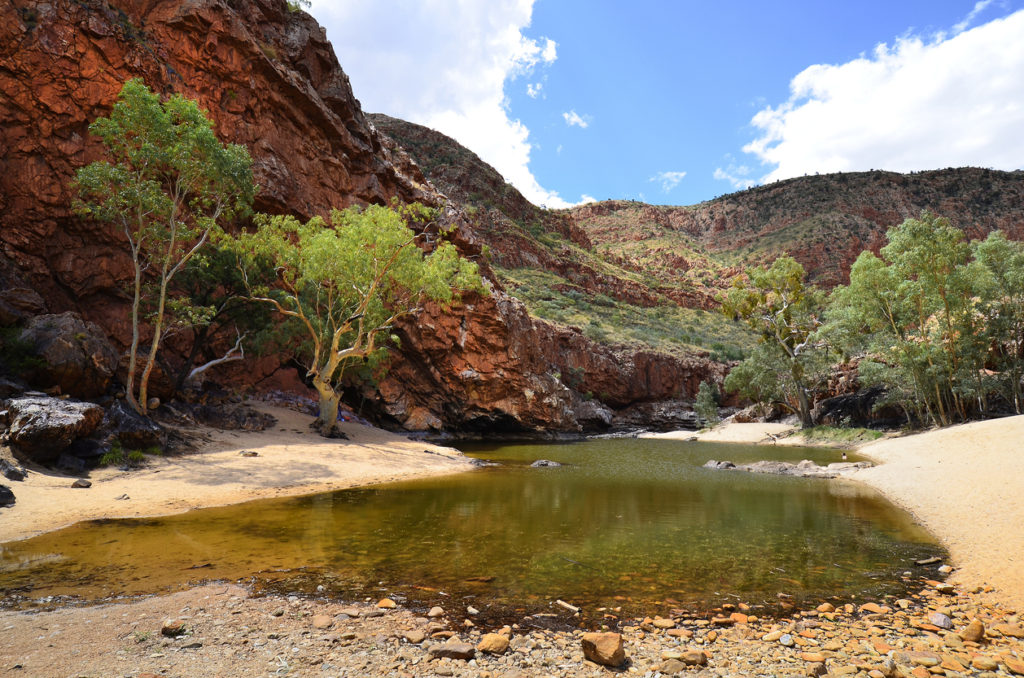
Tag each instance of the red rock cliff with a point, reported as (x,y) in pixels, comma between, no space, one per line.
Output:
(270,80)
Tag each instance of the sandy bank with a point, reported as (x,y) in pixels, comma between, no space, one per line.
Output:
(736,433)
(291,460)
(966,485)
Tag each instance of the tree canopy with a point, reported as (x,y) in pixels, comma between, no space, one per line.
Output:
(168,184)
(776,303)
(343,285)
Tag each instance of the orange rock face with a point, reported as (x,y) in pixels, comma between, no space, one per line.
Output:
(269,79)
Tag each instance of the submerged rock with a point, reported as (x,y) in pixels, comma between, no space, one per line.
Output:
(545,463)
(805,469)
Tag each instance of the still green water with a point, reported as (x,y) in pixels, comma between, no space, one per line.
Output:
(628,523)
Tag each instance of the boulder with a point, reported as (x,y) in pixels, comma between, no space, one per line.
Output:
(11,470)
(452,651)
(545,463)
(9,388)
(6,496)
(493,643)
(43,427)
(77,355)
(716,465)
(229,416)
(604,648)
(591,414)
(135,431)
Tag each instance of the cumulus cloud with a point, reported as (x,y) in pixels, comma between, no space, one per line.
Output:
(668,180)
(533,89)
(445,65)
(918,104)
(574,119)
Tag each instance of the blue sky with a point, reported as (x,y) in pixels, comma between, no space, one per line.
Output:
(678,102)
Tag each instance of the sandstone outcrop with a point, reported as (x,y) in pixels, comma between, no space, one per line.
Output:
(42,427)
(269,79)
(76,355)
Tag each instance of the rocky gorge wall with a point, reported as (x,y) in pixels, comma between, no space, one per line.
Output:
(269,79)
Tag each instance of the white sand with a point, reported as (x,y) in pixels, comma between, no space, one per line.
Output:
(966,485)
(736,433)
(292,460)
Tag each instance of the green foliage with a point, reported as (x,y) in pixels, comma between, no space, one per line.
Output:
(296,5)
(936,320)
(343,285)
(776,303)
(922,318)
(118,456)
(706,403)
(169,184)
(17,356)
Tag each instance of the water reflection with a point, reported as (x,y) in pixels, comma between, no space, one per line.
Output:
(624,522)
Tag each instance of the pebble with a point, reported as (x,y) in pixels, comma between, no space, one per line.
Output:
(241,638)
(435,612)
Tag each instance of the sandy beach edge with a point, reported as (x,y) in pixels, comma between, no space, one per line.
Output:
(287,459)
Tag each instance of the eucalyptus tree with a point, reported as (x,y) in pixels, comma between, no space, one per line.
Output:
(784,311)
(168,185)
(916,316)
(344,284)
(1003,261)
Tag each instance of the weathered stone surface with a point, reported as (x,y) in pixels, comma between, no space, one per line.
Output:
(6,496)
(134,431)
(604,648)
(387,604)
(695,658)
(545,463)
(1013,665)
(11,470)
(77,356)
(173,627)
(43,427)
(415,636)
(435,612)
(82,484)
(452,651)
(940,620)
(974,632)
(1012,630)
(493,643)
(322,621)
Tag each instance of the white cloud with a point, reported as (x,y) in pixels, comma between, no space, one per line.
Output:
(979,7)
(584,199)
(919,104)
(572,118)
(737,175)
(445,64)
(668,180)
(533,89)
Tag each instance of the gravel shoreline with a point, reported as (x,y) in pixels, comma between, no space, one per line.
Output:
(221,630)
